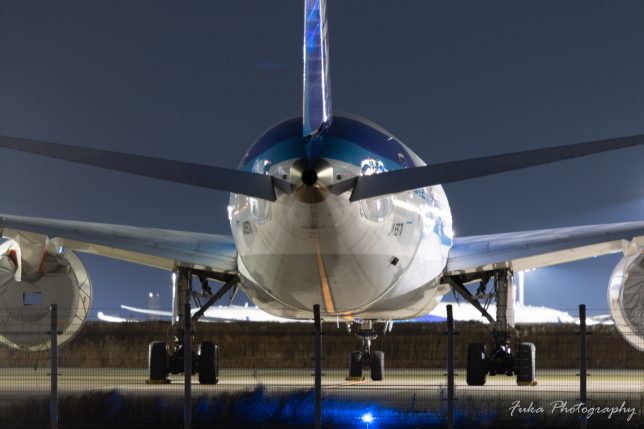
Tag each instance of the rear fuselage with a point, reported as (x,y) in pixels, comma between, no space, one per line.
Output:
(372,259)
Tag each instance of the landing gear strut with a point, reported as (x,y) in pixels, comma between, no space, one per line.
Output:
(367,359)
(500,360)
(164,358)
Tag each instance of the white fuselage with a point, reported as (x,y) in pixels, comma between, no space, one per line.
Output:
(379,258)
(371,259)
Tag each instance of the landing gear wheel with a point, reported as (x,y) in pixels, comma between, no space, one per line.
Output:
(377,365)
(525,365)
(476,367)
(208,363)
(355,366)
(158,362)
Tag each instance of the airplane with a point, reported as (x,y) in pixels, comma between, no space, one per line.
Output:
(325,209)
(523,314)
(220,313)
(112,319)
(235,313)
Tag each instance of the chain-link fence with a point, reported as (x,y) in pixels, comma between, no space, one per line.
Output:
(267,378)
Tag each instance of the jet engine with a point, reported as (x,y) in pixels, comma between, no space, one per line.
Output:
(36,272)
(626,297)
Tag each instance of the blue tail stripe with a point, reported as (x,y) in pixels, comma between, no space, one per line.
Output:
(316,93)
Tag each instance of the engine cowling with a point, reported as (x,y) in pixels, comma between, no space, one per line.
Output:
(36,272)
(626,298)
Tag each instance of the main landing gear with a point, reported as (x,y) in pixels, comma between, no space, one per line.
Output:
(168,358)
(500,360)
(367,359)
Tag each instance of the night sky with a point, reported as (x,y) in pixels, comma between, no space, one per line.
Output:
(199,81)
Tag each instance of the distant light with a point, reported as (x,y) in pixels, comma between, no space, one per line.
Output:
(367,418)
(151,295)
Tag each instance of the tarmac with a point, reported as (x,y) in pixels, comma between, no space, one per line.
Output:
(16,382)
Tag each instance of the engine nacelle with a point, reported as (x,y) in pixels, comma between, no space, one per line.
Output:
(626,298)
(35,272)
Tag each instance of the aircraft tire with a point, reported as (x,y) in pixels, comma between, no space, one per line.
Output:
(377,365)
(158,362)
(208,363)
(525,364)
(355,365)
(476,367)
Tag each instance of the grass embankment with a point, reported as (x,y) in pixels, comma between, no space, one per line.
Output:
(112,409)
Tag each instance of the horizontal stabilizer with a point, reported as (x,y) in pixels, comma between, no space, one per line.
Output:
(418,177)
(205,176)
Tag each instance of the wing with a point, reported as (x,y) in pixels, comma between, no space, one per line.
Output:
(159,248)
(210,316)
(163,313)
(112,319)
(534,249)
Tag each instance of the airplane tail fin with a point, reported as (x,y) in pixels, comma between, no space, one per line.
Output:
(316,91)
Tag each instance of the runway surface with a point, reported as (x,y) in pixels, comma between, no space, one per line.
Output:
(431,384)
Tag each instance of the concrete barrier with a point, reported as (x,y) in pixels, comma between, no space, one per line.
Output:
(276,345)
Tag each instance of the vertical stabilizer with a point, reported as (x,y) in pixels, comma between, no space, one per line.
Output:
(316,94)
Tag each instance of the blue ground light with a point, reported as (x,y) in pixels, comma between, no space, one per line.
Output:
(260,408)
(295,409)
(367,418)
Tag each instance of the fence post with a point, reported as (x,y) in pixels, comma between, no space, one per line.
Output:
(450,367)
(187,368)
(583,363)
(318,366)
(53,350)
